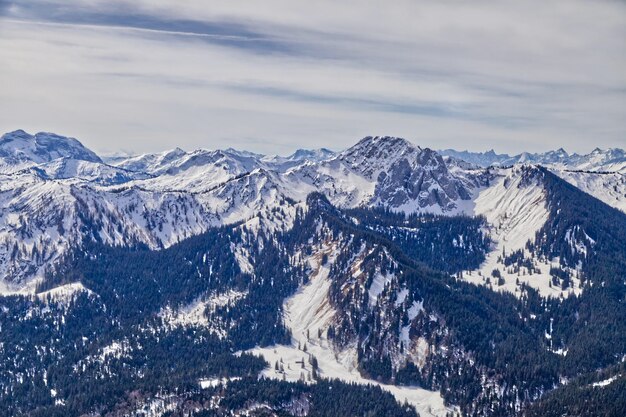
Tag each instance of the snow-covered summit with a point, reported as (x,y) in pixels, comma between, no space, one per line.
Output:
(19,147)
(613,159)
(50,186)
(311,154)
(388,172)
(150,163)
(373,154)
(98,173)
(299,157)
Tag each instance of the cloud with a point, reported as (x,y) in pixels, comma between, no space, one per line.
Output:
(277,75)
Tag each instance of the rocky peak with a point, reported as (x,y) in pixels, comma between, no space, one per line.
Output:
(19,147)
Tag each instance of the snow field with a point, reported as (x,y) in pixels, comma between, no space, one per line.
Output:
(309,311)
(514,213)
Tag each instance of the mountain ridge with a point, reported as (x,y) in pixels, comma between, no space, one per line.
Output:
(19,146)
(173,281)
(608,160)
(162,198)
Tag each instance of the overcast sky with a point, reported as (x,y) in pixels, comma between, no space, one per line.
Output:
(275,75)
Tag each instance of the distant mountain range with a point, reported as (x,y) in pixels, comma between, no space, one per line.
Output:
(48,177)
(447,283)
(609,160)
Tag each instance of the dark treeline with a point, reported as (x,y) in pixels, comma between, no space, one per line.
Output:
(444,243)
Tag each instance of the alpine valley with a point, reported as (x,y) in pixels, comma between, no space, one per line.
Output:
(387,279)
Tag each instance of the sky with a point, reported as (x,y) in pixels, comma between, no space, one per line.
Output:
(277,75)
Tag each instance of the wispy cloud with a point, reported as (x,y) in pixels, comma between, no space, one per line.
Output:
(277,75)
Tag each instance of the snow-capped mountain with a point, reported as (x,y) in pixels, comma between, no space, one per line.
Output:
(20,148)
(608,187)
(157,163)
(56,193)
(96,172)
(608,160)
(149,163)
(611,160)
(387,172)
(43,217)
(299,157)
(176,260)
(481,159)
(159,199)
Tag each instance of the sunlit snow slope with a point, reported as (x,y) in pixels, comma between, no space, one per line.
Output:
(308,314)
(514,206)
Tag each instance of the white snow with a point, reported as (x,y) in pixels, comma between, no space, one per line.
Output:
(609,188)
(117,349)
(173,195)
(605,382)
(612,159)
(412,312)
(401,296)
(378,285)
(194,313)
(514,211)
(415,308)
(308,311)
(214,382)
(242,258)
(560,351)
(64,292)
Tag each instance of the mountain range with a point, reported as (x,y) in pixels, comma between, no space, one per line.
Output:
(458,283)
(609,160)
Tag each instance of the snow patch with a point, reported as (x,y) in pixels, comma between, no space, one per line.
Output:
(378,285)
(609,188)
(65,292)
(605,382)
(308,314)
(214,382)
(515,209)
(401,296)
(117,349)
(194,314)
(412,312)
